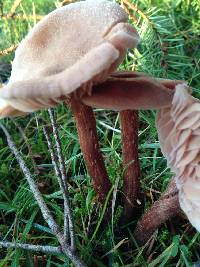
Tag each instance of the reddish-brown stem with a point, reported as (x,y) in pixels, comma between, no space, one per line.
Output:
(129,126)
(86,127)
(161,211)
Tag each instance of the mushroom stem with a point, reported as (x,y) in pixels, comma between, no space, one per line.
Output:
(129,126)
(162,210)
(86,127)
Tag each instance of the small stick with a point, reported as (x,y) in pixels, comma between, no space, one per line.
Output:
(62,179)
(35,248)
(129,127)
(86,127)
(58,174)
(162,210)
(43,207)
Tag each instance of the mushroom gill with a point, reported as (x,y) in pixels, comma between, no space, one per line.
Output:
(179,134)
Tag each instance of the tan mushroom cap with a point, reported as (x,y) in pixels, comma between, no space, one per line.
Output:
(74,46)
(179,134)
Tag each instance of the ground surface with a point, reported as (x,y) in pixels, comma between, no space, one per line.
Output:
(170,48)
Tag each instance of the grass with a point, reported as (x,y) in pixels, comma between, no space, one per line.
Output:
(169,48)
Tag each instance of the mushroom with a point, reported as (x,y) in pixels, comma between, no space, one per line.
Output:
(71,56)
(179,134)
(73,47)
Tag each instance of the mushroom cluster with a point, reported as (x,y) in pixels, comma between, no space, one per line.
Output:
(70,52)
(72,56)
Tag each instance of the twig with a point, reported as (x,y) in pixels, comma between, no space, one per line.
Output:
(35,248)
(9,50)
(43,207)
(129,126)
(161,211)
(86,127)
(58,174)
(22,133)
(13,8)
(63,183)
(58,148)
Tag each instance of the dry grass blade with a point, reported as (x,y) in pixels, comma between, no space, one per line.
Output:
(13,8)
(9,50)
(66,2)
(130,14)
(134,8)
(23,17)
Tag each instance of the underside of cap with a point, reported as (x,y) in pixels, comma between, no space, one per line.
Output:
(179,136)
(138,91)
(6,110)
